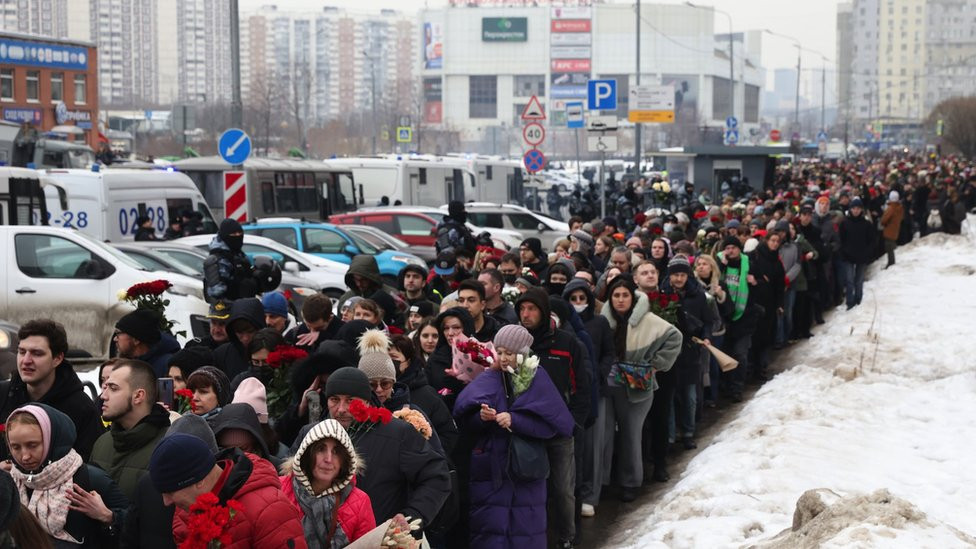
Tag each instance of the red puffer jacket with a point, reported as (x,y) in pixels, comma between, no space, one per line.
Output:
(355,514)
(270,521)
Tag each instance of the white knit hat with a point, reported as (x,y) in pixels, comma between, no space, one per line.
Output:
(328,428)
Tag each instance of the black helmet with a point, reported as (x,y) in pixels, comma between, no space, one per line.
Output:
(267,272)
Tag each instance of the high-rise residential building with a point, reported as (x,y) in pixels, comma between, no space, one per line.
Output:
(845,58)
(334,61)
(203,41)
(126,33)
(908,55)
(39,17)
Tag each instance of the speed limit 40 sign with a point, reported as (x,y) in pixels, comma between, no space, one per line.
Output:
(533,134)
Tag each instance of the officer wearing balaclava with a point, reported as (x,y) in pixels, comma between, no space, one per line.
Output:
(228,273)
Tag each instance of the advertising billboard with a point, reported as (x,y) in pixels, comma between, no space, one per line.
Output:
(433,46)
(433,106)
(504,29)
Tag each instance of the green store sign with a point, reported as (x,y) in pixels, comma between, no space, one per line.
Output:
(504,29)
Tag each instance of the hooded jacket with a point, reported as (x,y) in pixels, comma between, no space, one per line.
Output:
(600,333)
(124,454)
(238,415)
(66,395)
(232,357)
(891,220)
(563,357)
(354,516)
(366,267)
(651,341)
(269,520)
(441,359)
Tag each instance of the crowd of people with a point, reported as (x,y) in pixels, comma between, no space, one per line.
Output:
(493,400)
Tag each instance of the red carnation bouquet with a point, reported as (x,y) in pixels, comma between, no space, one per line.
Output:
(366,416)
(279,391)
(471,358)
(209,523)
(149,295)
(183,401)
(665,305)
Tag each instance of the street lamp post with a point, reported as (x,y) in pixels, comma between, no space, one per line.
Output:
(731,54)
(372,90)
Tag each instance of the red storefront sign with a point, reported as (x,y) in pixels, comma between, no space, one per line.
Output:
(571,25)
(571,65)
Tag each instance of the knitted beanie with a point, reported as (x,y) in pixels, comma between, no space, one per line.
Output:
(194,425)
(141,324)
(216,379)
(349,381)
(374,358)
(679,264)
(731,241)
(179,461)
(252,391)
(190,359)
(514,338)
(583,237)
(274,303)
(534,245)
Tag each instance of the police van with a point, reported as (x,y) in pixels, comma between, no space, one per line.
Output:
(106,202)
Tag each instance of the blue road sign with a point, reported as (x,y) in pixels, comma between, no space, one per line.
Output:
(822,136)
(574,114)
(601,95)
(731,123)
(731,136)
(534,160)
(234,146)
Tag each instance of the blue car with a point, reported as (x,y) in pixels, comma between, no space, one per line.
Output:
(331,242)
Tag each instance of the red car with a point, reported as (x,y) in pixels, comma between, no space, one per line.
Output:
(414,228)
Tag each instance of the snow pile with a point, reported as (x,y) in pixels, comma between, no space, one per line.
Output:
(882,399)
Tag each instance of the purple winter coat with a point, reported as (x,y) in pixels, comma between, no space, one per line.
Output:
(506,514)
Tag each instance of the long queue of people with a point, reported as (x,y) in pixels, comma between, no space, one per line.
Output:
(493,400)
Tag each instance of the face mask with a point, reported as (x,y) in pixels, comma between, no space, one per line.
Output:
(235,243)
(580,307)
(556,288)
(668,227)
(509,278)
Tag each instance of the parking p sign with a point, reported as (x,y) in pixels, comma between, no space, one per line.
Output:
(601,95)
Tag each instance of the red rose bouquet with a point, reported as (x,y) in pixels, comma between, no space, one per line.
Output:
(183,401)
(149,295)
(366,416)
(279,363)
(471,358)
(665,305)
(209,523)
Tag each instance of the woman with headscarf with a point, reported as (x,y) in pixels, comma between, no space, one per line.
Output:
(320,482)
(661,254)
(76,504)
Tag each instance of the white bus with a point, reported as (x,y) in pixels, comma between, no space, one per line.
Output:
(278,187)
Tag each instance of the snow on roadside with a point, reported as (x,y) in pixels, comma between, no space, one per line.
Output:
(904,424)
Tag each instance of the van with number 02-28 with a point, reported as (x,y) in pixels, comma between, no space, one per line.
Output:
(105,203)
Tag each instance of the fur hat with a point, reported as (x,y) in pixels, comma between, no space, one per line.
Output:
(374,359)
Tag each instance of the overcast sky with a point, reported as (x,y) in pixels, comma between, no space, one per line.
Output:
(812,22)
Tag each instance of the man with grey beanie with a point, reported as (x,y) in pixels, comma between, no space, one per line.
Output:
(403,473)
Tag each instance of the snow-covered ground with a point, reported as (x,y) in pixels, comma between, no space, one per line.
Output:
(905,423)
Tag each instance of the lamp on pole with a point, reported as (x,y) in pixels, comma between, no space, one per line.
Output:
(372,90)
(799,54)
(731,54)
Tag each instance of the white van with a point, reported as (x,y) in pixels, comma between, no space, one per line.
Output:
(105,203)
(22,196)
(68,276)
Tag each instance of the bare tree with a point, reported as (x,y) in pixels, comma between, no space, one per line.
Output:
(958,115)
(261,108)
(301,99)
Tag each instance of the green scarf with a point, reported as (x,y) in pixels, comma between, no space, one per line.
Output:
(737,280)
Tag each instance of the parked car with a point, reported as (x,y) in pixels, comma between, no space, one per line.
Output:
(309,271)
(526,222)
(331,242)
(385,241)
(49,272)
(423,221)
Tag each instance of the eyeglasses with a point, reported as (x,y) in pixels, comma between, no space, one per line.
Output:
(385,384)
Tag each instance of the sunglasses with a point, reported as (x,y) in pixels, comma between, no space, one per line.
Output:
(385,384)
